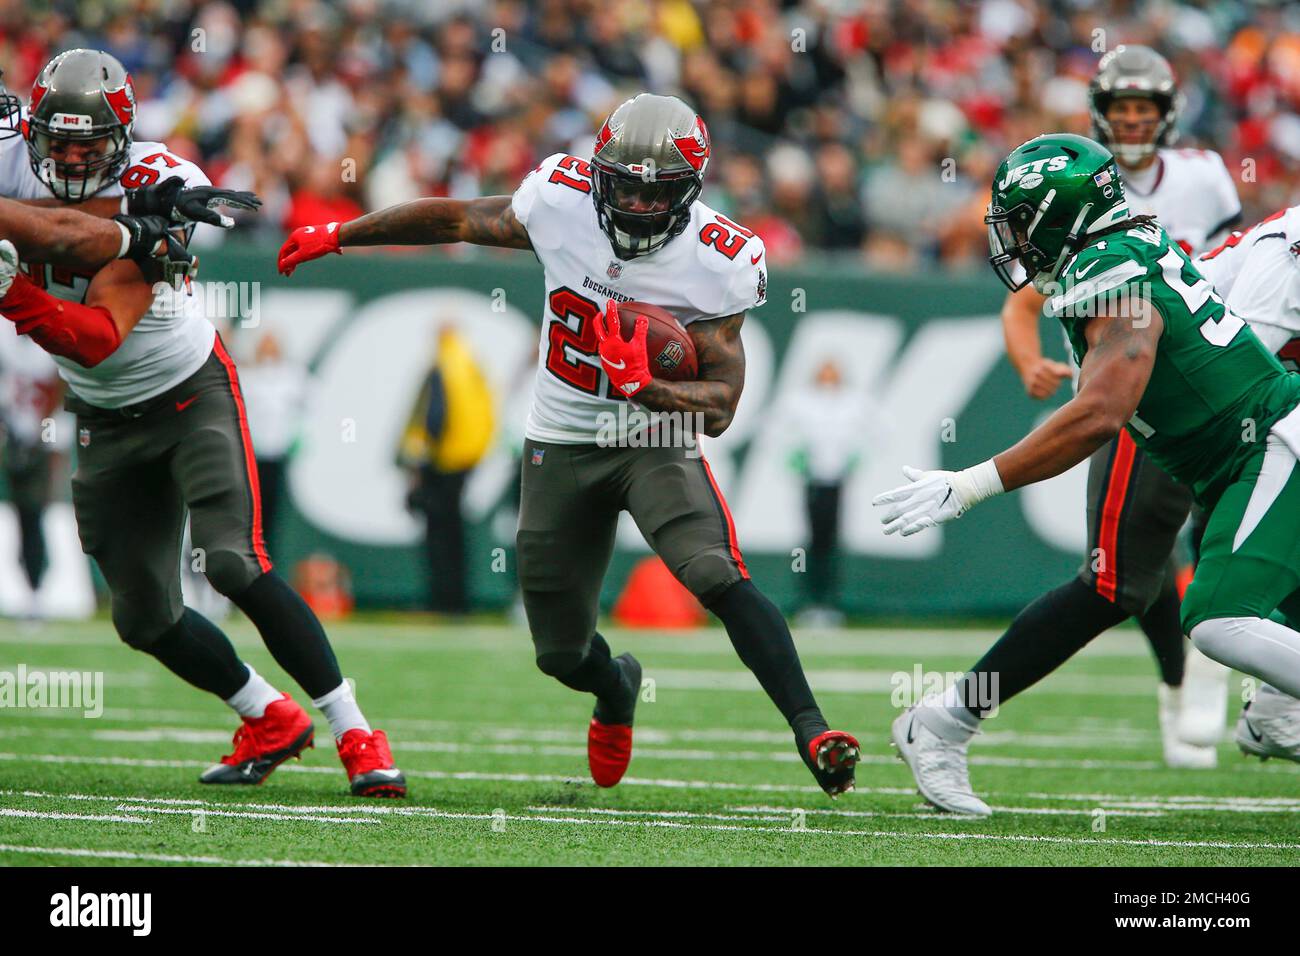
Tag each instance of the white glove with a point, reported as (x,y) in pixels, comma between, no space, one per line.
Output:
(8,266)
(936,497)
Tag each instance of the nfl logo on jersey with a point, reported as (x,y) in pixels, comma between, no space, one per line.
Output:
(614,269)
(83,438)
(538,455)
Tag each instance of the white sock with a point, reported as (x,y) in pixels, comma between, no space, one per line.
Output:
(947,716)
(254,697)
(1263,648)
(340,708)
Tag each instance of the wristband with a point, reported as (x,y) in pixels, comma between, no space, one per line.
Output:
(975,484)
(126,239)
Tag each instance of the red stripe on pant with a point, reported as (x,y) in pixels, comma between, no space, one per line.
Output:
(733,545)
(250,460)
(1112,509)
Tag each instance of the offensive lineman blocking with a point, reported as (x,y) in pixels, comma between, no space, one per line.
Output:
(162,431)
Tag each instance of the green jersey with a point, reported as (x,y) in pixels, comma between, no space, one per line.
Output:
(1215,390)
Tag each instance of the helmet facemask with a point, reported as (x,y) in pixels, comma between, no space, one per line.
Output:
(1134,154)
(77,181)
(1015,257)
(11,112)
(639,211)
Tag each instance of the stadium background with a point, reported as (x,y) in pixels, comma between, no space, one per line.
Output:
(856,138)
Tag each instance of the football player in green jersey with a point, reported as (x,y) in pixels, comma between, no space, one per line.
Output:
(1160,356)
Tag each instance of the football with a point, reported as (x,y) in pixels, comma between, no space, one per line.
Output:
(668,345)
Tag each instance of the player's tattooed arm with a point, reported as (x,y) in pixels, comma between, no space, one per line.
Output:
(716,392)
(59,235)
(488,221)
(1122,341)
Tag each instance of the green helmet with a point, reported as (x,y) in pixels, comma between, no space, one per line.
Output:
(1049,195)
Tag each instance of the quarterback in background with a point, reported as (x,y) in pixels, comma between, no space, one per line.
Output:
(1135,510)
(624,225)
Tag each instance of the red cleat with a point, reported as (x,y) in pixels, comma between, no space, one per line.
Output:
(369,764)
(263,743)
(609,735)
(609,751)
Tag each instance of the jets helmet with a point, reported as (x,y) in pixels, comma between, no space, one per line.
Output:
(1049,196)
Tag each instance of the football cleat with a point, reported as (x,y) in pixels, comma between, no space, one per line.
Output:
(369,764)
(1178,753)
(609,735)
(937,765)
(1269,726)
(263,743)
(832,756)
(1205,701)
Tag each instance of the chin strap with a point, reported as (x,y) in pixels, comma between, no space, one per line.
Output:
(85,334)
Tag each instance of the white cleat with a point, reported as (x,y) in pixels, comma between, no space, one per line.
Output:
(1205,701)
(1269,726)
(938,766)
(1178,753)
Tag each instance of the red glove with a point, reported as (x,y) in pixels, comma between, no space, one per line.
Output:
(306,243)
(624,362)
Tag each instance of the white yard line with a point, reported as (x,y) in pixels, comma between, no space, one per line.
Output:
(153,857)
(305,817)
(53,815)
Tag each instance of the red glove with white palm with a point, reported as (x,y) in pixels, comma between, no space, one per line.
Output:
(306,243)
(626,363)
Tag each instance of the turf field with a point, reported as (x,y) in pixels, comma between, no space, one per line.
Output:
(495,755)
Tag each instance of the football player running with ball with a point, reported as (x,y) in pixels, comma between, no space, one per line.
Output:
(624,225)
(1135,510)
(162,429)
(1162,358)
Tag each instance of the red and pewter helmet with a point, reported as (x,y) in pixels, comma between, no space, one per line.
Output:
(647,169)
(1134,71)
(82,96)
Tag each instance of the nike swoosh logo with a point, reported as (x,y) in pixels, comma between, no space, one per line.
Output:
(910,724)
(181,406)
(618,365)
(754,260)
(390,774)
(1259,738)
(1086,269)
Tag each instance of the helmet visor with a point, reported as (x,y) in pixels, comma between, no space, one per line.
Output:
(644,207)
(1005,250)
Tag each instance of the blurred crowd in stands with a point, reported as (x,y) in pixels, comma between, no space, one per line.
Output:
(869,127)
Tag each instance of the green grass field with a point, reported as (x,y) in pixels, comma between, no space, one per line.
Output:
(495,755)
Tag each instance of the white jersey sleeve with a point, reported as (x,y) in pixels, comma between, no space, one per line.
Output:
(735,275)
(1266,292)
(1222,197)
(548,197)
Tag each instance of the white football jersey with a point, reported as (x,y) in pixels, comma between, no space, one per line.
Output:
(171,341)
(713,268)
(1190,191)
(1257,274)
